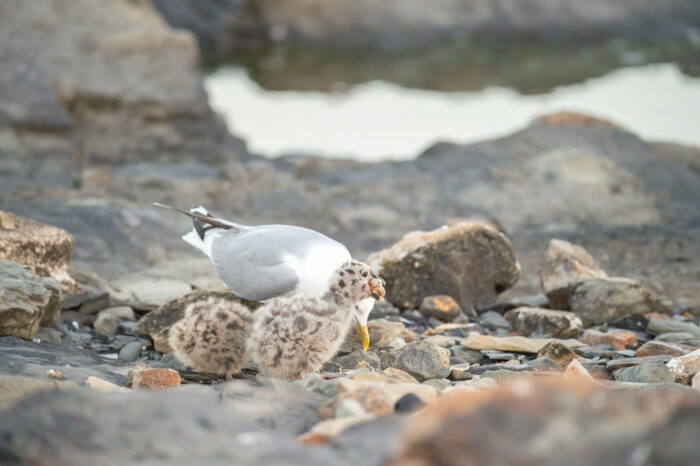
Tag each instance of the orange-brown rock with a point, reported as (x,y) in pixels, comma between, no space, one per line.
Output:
(617,338)
(45,248)
(442,307)
(558,352)
(156,379)
(656,347)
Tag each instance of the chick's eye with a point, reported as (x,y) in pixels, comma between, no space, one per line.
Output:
(364,274)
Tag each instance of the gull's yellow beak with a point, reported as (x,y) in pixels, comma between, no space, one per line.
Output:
(364,334)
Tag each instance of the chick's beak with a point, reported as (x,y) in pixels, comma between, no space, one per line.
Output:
(364,333)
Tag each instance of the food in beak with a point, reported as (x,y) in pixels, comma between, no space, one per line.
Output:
(376,286)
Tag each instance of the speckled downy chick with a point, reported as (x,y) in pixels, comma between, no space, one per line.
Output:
(212,336)
(293,336)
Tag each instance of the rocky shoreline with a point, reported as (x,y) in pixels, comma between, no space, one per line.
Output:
(562,291)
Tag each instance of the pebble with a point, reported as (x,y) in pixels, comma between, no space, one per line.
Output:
(441,340)
(558,352)
(654,347)
(408,403)
(502,375)
(519,344)
(575,370)
(101,385)
(469,355)
(439,384)
(351,361)
(130,351)
(685,367)
(616,338)
(424,360)
(537,321)
(349,408)
(493,320)
(441,307)
(155,379)
(658,325)
(627,362)
(645,373)
(48,334)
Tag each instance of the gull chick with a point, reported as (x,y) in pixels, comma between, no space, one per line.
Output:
(262,262)
(293,336)
(212,335)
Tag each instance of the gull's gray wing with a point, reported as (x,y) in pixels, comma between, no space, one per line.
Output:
(258,263)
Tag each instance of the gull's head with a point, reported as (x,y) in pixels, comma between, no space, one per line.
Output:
(354,284)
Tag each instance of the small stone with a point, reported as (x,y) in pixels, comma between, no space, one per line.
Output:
(157,379)
(685,367)
(531,320)
(628,362)
(601,300)
(473,385)
(538,300)
(96,304)
(617,338)
(460,372)
(170,361)
(351,361)
(493,320)
(408,403)
(658,325)
(645,373)
(79,338)
(349,408)
(102,385)
(469,355)
(48,334)
(558,352)
(502,375)
(106,324)
(576,371)
(331,428)
(655,347)
(130,351)
(441,340)
(54,374)
(423,360)
(389,375)
(519,344)
(439,384)
(496,355)
(442,307)
(471,261)
(565,263)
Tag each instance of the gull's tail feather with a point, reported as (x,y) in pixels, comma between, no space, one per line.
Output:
(203,222)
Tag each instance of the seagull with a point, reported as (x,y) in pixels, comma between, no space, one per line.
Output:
(293,336)
(262,262)
(212,336)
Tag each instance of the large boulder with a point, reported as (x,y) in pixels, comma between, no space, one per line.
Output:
(600,300)
(566,263)
(471,261)
(27,300)
(46,248)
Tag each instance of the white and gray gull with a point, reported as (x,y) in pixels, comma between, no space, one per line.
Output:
(262,262)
